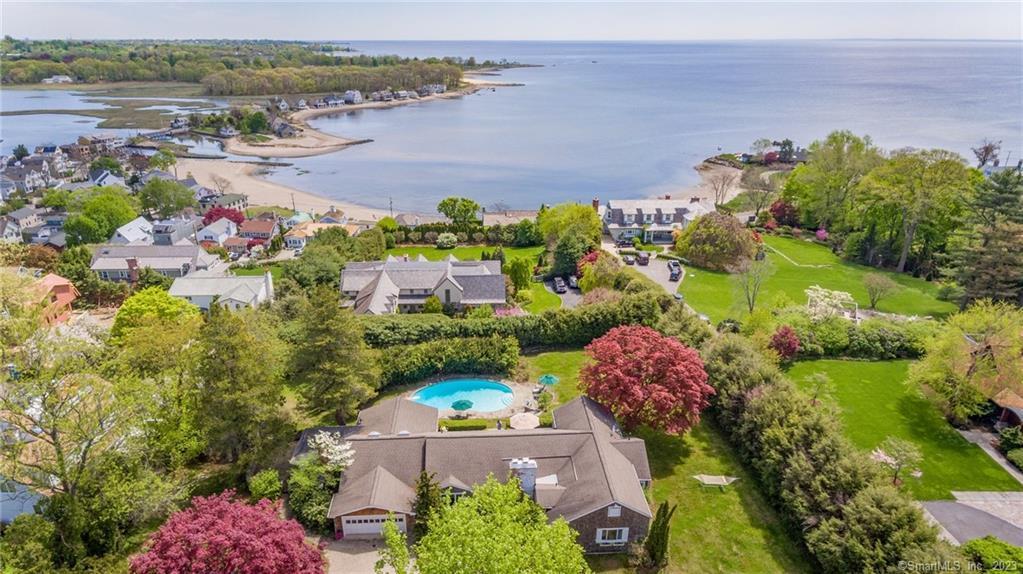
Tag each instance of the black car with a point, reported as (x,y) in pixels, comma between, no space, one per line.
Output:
(624,243)
(674,273)
(643,258)
(573,282)
(559,285)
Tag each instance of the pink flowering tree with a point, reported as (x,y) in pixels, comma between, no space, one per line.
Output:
(822,234)
(645,378)
(219,535)
(587,260)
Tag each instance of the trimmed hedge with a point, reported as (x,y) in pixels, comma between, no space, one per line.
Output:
(876,338)
(829,492)
(993,555)
(552,328)
(465,425)
(467,355)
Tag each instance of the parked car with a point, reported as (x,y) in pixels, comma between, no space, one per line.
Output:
(559,285)
(573,282)
(628,259)
(643,258)
(623,243)
(674,270)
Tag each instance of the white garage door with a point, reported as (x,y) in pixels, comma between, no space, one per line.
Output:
(369,524)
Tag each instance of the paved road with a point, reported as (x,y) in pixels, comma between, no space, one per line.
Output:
(658,271)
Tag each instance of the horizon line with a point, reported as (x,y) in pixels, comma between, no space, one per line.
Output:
(533,41)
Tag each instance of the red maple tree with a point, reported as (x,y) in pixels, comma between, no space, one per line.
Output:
(586,261)
(218,535)
(645,378)
(217,212)
(785,342)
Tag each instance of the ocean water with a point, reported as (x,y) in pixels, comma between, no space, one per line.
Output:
(632,119)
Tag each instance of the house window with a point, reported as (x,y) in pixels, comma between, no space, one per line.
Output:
(612,536)
(447,295)
(628,218)
(648,217)
(614,511)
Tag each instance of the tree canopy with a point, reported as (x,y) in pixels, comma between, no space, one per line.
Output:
(459,209)
(164,198)
(716,241)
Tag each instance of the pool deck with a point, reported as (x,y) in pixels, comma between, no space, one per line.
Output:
(522,398)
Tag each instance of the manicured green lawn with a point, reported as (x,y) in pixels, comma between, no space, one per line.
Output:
(712,293)
(275,271)
(712,531)
(542,299)
(876,402)
(463,252)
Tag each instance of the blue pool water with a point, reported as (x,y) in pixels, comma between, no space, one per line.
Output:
(487,396)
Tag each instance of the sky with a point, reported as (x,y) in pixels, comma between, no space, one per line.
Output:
(579,20)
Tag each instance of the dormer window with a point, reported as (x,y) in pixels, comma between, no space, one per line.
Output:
(614,511)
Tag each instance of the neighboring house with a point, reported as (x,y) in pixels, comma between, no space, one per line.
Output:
(334,215)
(297,218)
(123,262)
(138,231)
(227,132)
(200,191)
(156,174)
(231,291)
(9,231)
(172,231)
(179,122)
(583,470)
(298,236)
(58,79)
(105,177)
(235,244)
(1012,408)
(402,285)
(258,229)
(301,105)
(26,217)
(353,97)
(508,216)
(417,219)
(991,168)
(99,143)
(217,232)
(283,129)
(237,201)
(652,220)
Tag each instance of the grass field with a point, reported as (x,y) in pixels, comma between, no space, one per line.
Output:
(801,264)
(275,271)
(463,252)
(876,402)
(542,298)
(712,531)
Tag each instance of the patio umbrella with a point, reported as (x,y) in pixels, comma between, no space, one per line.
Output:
(524,421)
(548,380)
(462,405)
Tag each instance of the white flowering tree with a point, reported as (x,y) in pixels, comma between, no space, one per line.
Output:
(333,449)
(897,455)
(824,303)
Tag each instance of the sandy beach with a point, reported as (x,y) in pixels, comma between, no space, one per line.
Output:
(237,177)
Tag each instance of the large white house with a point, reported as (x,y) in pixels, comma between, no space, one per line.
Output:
(217,232)
(138,231)
(231,291)
(652,220)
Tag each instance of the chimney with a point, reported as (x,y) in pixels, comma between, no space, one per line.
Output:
(133,269)
(525,470)
(694,200)
(596,204)
(268,281)
(667,196)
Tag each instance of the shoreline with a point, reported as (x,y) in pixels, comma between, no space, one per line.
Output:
(312,142)
(246,178)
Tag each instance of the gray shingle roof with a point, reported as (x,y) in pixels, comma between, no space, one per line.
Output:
(583,466)
(378,488)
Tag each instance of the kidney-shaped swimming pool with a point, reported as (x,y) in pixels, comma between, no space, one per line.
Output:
(486,395)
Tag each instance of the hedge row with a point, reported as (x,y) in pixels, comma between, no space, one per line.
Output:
(877,338)
(472,355)
(848,514)
(553,328)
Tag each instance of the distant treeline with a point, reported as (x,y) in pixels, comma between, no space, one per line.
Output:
(27,61)
(312,79)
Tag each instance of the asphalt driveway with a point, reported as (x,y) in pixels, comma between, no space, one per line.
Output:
(569,299)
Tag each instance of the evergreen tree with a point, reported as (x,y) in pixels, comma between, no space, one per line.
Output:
(428,499)
(656,544)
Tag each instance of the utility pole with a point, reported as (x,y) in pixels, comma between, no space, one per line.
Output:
(293,208)
(390,205)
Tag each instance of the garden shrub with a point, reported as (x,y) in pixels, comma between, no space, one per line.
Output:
(994,555)
(265,484)
(1015,456)
(552,328)
(476,355)
(310,489)
(1010,439)
(447,241)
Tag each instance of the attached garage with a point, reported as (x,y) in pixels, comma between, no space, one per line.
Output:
(369,524)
